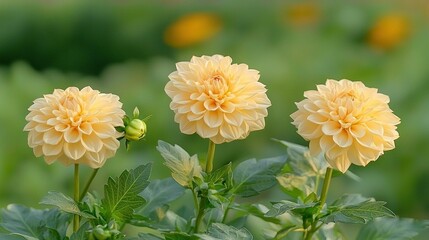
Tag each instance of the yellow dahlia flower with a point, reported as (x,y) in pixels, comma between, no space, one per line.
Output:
(216,99)
(75,126)
(346,121)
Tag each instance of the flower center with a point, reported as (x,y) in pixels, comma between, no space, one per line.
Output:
(216,87)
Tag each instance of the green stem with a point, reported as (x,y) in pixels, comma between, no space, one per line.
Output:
(203,200)
(85,189)
(194,195)
(76,196)
(308,234)
(326,182)
(228,207)
(210,157)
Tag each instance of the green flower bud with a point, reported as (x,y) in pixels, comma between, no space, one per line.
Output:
(135,130)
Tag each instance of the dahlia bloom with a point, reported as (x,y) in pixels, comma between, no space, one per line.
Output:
(347,122)
(216,99)
(75,126)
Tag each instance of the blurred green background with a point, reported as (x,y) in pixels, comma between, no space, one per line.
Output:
(129,47)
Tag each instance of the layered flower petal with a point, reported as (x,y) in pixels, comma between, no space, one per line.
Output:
(75,126)
(217,99)
(346,121)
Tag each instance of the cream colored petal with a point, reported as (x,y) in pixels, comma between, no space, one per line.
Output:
(315,149)
(235,118)
(343,139)
(213,119)
(52,150)
(42,127)
(357,130)
(111,143)
(72,135)
(103,130)
(340,163)
(52,137)
(331,128)
(85,128)
(205,131)
(92,142)
(74,150)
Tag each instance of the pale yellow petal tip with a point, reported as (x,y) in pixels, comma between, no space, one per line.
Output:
(75,126)
(217,99)
(347,121)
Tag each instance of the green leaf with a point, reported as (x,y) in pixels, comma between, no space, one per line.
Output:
(148,236)
(81,232)
(221,175)
(252,177)
(162,220)
(9,237)
(33,224)
(121,195)
(392,229)
(286,206)
(64,203)
(257,210)
(219,231)
(159,193)
(179,236)
(356,209)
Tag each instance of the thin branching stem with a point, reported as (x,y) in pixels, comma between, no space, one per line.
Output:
(88,184)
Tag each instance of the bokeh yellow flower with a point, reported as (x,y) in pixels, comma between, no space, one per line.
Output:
(347,122)
(216,99)
(389,31)
(75,126)
(192,29)
(302,13)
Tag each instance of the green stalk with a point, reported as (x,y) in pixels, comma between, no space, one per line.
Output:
(326,182)
(76,196)
(203,200)
(210,156)
(85,189)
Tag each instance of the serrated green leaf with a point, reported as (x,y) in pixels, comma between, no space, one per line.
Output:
(358,213)
(252,177)
(222,174)
(219,231)
(121,195)
(392,229)
(64,203)
(33,224)
(286,206)
(159,193)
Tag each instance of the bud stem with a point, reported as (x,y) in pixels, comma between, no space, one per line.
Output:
(76,196)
